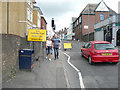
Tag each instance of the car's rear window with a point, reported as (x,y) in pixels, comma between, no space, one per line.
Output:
(104,46)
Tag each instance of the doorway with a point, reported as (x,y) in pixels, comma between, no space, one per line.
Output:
(118,38)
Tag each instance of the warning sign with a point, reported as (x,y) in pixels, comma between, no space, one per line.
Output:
(36,35)
(67,45)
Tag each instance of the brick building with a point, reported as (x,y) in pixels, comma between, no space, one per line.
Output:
(91,14)
(43,23)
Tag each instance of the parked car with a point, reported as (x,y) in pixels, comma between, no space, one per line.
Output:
(100,51)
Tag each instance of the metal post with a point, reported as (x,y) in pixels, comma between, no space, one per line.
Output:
(7,16)
(88,24)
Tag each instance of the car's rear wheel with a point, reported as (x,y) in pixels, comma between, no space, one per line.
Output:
(114,62)
(90,60)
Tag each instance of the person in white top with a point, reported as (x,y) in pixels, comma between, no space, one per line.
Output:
(49,47)
(113,41)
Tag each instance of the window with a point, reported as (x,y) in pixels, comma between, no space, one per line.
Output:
(28,13)
(29,2)
(77,22)
(86,45)
(38,22)
(80,20)
(31,14)
(104,46)
(101,16)
(31,5)
(89,45)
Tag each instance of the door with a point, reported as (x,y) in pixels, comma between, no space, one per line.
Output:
(118,38)
(88,49)
(85,49)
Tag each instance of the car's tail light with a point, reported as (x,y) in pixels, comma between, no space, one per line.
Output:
(116,53)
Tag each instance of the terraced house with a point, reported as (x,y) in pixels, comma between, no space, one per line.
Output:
(91,14)
(17,17)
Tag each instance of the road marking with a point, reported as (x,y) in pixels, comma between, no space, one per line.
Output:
(65,73)
(79,73)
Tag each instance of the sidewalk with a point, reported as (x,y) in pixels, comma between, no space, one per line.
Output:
(50,74)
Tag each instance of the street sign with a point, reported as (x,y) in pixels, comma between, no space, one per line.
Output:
(86,27)
(36,35)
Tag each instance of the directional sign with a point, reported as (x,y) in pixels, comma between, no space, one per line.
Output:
(36,35)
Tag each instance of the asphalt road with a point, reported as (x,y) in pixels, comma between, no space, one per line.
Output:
(100,75)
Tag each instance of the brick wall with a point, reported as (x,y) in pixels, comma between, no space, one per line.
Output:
(97,16)
(85,20)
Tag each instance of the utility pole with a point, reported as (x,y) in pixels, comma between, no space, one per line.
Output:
(7,16)
(88,23)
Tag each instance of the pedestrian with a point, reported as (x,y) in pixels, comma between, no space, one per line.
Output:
(56,46)
(49,47)
(113,41)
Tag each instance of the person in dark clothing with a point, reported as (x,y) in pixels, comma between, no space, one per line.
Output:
(56,46)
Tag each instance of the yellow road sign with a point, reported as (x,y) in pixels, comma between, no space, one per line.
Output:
(36,35)
(67,45)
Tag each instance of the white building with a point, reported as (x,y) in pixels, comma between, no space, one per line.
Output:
(100,29)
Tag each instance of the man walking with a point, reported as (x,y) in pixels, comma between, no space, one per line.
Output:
(56,45)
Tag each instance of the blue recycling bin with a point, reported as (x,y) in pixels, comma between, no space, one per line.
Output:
(26,59)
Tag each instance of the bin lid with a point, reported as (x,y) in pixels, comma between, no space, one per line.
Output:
(28,49)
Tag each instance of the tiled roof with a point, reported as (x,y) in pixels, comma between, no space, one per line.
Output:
(73,19)
(89,9)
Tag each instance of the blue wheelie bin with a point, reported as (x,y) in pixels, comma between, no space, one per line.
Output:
(26,59)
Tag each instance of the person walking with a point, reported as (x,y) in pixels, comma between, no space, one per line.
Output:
(49,47)
(56,46)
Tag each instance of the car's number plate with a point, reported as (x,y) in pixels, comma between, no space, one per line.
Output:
(107,54)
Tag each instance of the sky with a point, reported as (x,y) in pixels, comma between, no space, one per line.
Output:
(63,10)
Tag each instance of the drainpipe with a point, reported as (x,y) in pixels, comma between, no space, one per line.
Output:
(7,16)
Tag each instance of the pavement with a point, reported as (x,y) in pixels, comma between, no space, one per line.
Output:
(46,74)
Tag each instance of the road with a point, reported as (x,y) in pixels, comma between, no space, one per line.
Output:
(100,75)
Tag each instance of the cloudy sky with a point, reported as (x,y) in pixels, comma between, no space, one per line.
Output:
(63,10)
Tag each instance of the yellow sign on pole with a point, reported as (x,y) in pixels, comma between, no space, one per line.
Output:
(36,35)
(67,45)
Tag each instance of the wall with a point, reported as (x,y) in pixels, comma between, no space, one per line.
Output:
(4,17)
(85,37)
(85,20)
(99,36)
(11,44)
(35,17)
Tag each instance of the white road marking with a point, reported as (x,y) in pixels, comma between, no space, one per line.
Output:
(79,73)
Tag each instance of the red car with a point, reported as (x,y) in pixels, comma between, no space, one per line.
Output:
(100,51)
